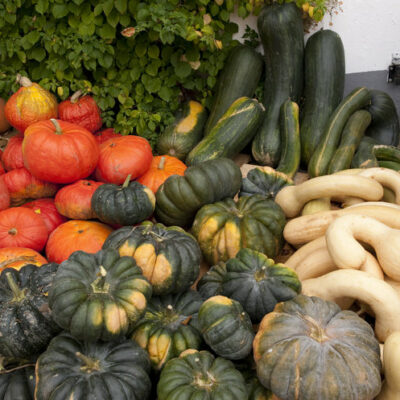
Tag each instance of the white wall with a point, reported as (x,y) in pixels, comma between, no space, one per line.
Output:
(370,31)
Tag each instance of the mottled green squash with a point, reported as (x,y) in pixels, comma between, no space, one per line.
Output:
(18,384)
(210,283)
(364,156)
(226,327)
(99,296)
(199,375)
(169,327)
(169,257)
(225,227)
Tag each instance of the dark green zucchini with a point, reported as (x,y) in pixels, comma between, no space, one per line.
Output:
(281,31)
(385,128)
(187,130)
(238,78)
(353,132)
(324,74)
(231,134)
(356,100)
(365,157)
(390,164)
(290,131)
(386,153)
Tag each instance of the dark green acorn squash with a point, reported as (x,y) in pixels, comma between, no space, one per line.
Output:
(99,296)
(169,257)
(226,327)
(210,284)
(258,283)
(265,181)
(18,384)
(308,348)
(74,370)
(128,204)
(180,197)
(199,375)
(169,327)
(26,322)
(225,227)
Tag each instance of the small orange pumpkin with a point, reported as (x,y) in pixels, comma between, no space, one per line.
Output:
(12,155)
(4,195)
(161,168)
(31,103)
(4,124)
(76,235)
(18,257)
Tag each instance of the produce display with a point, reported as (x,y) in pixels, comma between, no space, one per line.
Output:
(241,242)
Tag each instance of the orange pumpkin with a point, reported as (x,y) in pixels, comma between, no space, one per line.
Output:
(161,168)
(12,155)
(31,103)
(123,156)
(2,170)
(4,195)
(18,257)
(74,201)
(22,186)
(4,124)
(76,235)
(22,227)
(59,152)
(106,134)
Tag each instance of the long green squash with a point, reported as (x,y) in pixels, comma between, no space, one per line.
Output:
(290,157)
(324,74)
(231,134)
(281,31)
(239,78)
(386,153)
(356,100)
(365,157)
(353,132)
(186,131)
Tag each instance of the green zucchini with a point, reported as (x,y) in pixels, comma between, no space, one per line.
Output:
(352,134)
(390,164)
(324,75)
(365,157)
(385,127)
(186,131)
(387,153)
(356,100)
(290,157)
(231,134)
(239,78)
(281,31)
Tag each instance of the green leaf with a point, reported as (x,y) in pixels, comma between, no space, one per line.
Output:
(107,32)
(59,10)
(78,2)
(87,29)
(151,84)
(121,5)
(32,37)
(42,6)
(106,61)
(140,49)
(165,93)
(113,18)
(152,69)
(38,54)
(167,37)
(135,73)
(125,20)
(183,69)
(108,6)
(22,56)
(98,10)
(153,51)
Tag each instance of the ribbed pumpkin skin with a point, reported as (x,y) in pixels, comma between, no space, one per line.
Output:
(82,111)
(225,227)
(265,181)
(307,348)
(258,283)
(75,201)
(12,156)
(168,257)
(4,196)
(210,284)
(226,327)
(18,385)
(169,327)
(200,376)
(185,132)
(30,104)
(99,296)
(179,197)
(18,257)
(123,205)
(22,185)
(115,371)
(26,323)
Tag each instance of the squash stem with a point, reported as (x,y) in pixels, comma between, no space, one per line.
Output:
(161,165)
(23,80)
(75,97)
(57,126)
(127,180)
(18,293)
(89,364)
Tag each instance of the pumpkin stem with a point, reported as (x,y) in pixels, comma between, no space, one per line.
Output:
(18,293)
(74,98)
(57,126)
(161,165)
(127,180)
(90,365)
(12,231)
(100,285)
(23,80)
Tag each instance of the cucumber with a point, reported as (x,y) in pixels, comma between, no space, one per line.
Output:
(231,134)
(239,78)
(365,157)
(324,75)
(356,100)
(281,31)
(352,134)
(187,130)
(290,131)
